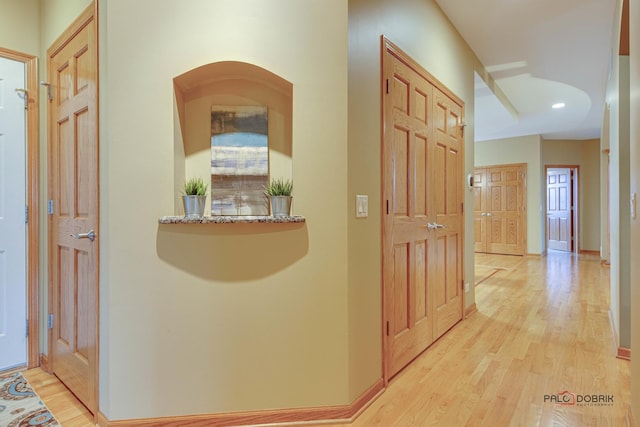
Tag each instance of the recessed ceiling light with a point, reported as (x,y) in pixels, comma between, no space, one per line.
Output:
(558,105)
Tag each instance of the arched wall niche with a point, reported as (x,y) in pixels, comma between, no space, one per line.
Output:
(228,83)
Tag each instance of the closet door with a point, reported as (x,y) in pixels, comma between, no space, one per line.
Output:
(500,209)
(447,188)
(408,241)
(479,211)
(74,236)
(422,210)
(505,210)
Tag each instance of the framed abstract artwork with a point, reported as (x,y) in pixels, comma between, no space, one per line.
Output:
(239,160)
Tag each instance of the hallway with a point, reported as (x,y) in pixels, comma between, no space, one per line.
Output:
(541,328)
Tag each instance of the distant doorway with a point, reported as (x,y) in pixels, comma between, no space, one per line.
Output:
(19,196)
(13,227)
(562,208)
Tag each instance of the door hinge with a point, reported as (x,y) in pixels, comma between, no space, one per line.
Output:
(50,321)
(50,207)
(26,214)
(387,85)
(461,207)
(387,328)
(26,328)
(387,207)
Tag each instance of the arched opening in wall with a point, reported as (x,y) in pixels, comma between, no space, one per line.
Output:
(205,94)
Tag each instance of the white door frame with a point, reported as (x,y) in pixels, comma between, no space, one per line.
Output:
(32,197)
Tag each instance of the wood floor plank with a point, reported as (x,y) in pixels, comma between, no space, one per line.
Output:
(60,401)
(541,328)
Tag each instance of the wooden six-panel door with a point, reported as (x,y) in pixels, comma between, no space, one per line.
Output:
(505,210)
(446,190)
(422,224)
(500,209)
(408,296)
(73,218)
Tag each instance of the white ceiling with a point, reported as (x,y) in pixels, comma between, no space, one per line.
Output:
(539,52)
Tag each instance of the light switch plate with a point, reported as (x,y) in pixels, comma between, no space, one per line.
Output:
(362,206)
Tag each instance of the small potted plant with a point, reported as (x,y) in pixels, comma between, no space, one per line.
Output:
(279,194)
(194,197)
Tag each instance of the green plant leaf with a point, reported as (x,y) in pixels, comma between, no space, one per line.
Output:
(195,187)
(279,187)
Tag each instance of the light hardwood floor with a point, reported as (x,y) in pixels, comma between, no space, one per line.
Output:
(61,402)
(541,328)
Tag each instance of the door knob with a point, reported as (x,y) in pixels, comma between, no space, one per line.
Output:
(483,214)
(488,213)
(91,235)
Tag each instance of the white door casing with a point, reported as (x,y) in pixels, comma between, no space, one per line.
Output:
(13,278)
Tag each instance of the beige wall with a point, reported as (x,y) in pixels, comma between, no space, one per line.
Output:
(422,30)
(618,100)
(586,155)
(524,149)
(20,26)
(614,197)
(604,186)
(634,22)
(170,296)
(56,15)
(242,316)
(213,309)
(590,224)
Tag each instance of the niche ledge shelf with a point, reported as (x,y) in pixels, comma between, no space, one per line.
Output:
(262,219)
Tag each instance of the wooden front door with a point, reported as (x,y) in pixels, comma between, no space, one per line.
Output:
(422,226)
(73,215)
(559,214)
(500,209)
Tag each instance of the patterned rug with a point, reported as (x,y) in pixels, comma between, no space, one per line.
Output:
(21,406)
